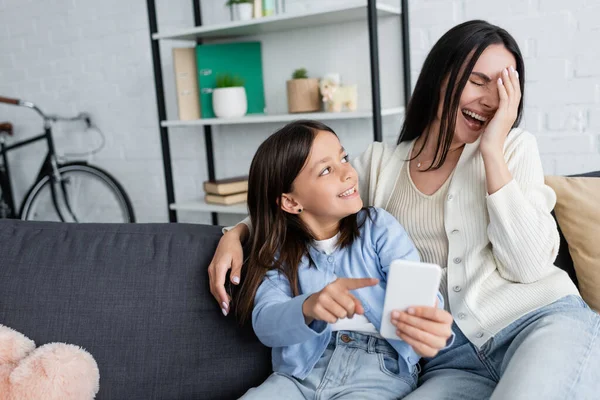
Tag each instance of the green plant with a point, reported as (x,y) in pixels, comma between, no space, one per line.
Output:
(232,2)
(300,73)
(225,80)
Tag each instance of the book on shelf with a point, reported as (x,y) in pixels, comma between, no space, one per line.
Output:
(186,83)
(226,200)
(227,186)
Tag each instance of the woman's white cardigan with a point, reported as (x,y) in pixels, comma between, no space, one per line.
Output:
(501,246)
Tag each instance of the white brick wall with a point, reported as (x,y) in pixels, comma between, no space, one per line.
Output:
(69,56)
(560,43)
(75,55)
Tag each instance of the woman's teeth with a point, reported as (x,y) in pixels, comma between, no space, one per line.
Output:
(347,192)
(475,115)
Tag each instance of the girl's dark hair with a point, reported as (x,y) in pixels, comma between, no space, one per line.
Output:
(453,58)
(279,240)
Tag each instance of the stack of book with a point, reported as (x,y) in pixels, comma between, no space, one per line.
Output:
(226,191)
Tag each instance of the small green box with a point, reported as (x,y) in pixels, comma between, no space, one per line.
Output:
(243,59)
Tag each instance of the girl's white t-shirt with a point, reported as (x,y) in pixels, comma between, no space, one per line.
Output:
(358,323)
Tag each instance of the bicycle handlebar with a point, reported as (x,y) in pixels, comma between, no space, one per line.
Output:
(8,100)
(79,117)
(53,118)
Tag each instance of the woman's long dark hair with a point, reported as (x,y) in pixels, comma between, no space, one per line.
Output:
(279,239)
(458,49)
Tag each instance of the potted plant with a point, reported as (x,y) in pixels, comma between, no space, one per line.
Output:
(241,10)
(229,97)
(303,93)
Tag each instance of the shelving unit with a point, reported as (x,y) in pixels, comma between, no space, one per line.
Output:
(202,206)
(356,10)
(350,11)
(264,119)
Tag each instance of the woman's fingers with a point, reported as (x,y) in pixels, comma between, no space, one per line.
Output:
(229,253)
(216,276)
(236,270)
(510,82)
(514,77)
(507,82)
(516,95)
(502,93)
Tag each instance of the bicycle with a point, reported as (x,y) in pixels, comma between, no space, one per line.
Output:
(67,192)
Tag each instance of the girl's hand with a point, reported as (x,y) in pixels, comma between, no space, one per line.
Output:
(229,254)
(509,92)
(335,301)
(426,329)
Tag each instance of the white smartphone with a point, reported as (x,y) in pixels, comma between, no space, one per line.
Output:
(409,283)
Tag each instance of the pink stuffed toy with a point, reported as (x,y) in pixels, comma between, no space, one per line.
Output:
(55,371)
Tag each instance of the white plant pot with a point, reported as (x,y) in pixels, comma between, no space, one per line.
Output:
(242,12)
(230,102)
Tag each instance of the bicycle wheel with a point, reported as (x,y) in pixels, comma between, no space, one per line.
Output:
(92,195)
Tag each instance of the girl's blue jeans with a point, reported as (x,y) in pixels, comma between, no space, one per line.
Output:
(354,366)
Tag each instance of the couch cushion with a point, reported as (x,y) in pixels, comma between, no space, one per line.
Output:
(578,215)
(137,298)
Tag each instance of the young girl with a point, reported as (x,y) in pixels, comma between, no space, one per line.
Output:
(316,275)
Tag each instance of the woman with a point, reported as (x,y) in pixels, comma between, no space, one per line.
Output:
(468,187)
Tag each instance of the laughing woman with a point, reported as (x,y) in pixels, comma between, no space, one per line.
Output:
(468,187)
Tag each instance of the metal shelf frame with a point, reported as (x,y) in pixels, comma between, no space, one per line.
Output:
(376,111)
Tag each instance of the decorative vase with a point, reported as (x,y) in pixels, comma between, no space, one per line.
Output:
(242,11)
(230,102)
(303,95)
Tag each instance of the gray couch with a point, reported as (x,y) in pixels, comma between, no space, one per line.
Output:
(137,298)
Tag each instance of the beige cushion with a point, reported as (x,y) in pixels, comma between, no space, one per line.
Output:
(578,214)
